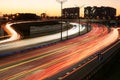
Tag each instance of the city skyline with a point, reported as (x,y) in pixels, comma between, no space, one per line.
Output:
(50,7)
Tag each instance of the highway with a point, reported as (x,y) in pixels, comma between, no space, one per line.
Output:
(43,63)
(4,48)
(14,35)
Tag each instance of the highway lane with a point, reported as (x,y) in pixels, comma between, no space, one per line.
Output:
(87,52)
(70,42)
(60,45)
(45,62)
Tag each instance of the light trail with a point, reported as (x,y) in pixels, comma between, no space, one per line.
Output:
(11,32)
(4,36)
(57,47)
(45,62)
(46,38)
(96,45)
(16,36)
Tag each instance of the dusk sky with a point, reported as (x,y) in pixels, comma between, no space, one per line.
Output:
(51,7)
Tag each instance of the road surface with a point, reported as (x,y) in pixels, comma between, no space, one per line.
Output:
(16,36)
(5,48)
(40,64)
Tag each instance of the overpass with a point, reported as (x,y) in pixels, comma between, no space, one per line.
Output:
(21,45)
(24,27)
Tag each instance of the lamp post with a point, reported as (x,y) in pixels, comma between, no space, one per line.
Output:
(61,2)
(67,28)
(87,24)
(79,15)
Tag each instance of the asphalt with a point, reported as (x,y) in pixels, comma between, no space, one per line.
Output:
(38,45)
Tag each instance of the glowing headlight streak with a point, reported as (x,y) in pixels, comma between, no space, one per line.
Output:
(61,60)
(90,49)
(13,34)
(66,63)
(16,36)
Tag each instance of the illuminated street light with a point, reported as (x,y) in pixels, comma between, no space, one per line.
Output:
(79,15)
(61,2)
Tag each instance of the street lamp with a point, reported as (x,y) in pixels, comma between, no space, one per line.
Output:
(61,2)
(67,28)
(87,24)
(79,15)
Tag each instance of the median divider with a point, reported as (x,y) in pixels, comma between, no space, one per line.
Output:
(29,49)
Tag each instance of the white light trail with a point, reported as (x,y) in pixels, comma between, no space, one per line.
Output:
(13,34)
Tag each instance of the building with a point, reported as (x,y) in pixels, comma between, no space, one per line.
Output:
(118,17)
(26,16)
(70,13)
(21,16)
(99,12)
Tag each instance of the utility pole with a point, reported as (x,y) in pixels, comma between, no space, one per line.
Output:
(79,16)
(61,2)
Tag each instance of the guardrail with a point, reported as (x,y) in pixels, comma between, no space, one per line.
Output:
(92,64)
(28,49)
(50,43)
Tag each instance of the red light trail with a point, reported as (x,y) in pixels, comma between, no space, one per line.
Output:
(45,62)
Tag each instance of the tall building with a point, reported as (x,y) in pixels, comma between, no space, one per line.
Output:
(70,13)
(99,12)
